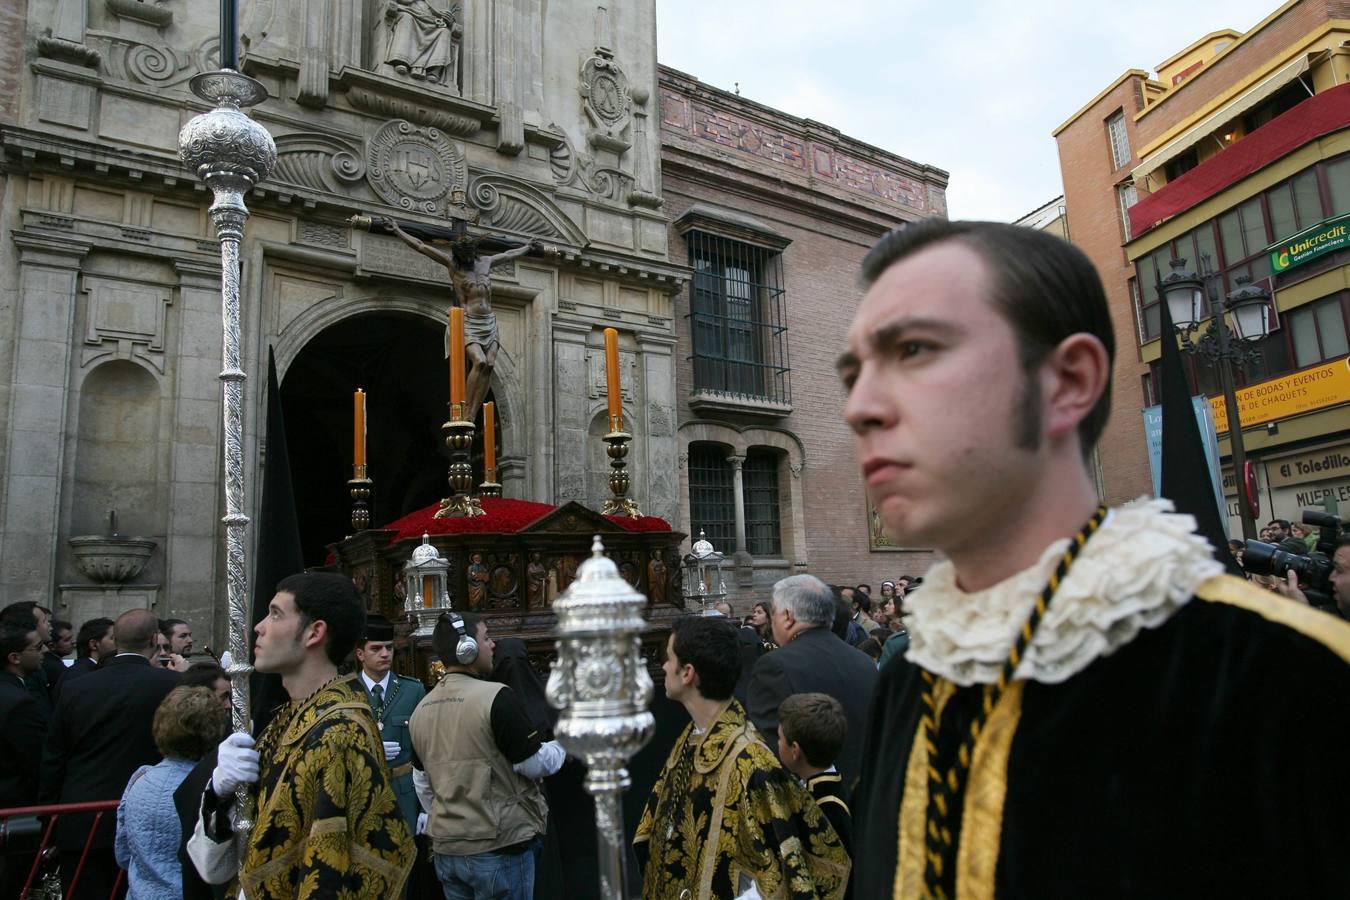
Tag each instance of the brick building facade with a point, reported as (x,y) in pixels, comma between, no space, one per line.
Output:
(1236,145)
(777,212)
(110,284)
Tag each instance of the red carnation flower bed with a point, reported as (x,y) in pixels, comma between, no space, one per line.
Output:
(501,517)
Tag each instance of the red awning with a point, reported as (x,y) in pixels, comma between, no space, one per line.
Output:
(1320,115)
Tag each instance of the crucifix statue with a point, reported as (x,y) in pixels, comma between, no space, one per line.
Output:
(471,276)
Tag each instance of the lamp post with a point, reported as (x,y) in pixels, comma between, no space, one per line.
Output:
(1184,293)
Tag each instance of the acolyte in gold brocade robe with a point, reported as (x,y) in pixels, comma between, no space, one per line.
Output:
(327,824)
(725,811)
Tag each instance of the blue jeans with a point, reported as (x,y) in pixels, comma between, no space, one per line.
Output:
(489,876)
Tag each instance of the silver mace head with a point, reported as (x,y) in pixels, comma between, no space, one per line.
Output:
(224,147)
(600,682)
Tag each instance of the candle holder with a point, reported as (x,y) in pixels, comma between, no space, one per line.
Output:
(601,686)
(490,486)
(618,439)
(231,153)
(459,438)
(360,487)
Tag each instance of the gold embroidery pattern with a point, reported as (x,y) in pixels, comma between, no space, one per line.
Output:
(742,814)
(328,824)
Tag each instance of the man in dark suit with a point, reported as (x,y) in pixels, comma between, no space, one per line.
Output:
(28,614)
(21,653)
(92,644)
(810,659)
(20,738)
(100,734)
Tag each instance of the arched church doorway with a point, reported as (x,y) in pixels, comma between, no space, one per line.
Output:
(399,360)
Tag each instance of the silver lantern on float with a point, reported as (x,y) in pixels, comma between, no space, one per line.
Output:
(426,585)
(601,684)
(703,581)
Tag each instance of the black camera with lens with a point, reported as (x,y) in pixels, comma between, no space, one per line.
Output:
(1313,569)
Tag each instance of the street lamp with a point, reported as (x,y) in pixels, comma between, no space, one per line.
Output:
(1183,292)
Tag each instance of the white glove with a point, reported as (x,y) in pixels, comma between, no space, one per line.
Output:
(391,750)
(421,824)
(547,760)
(236,764)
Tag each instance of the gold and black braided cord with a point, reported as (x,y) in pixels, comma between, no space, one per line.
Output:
(946,790)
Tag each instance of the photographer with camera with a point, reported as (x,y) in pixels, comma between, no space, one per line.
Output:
(1338,578)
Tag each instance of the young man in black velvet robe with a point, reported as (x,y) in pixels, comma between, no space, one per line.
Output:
(1088,706)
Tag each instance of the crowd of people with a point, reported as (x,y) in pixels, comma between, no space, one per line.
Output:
(1076,703)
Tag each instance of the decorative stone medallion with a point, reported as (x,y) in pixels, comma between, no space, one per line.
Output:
(608,104)
(414,167)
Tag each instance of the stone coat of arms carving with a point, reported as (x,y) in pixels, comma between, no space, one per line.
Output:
(414,167)
(607,103)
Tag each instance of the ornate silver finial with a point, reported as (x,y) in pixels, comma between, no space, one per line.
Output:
(601,685)
(425,552)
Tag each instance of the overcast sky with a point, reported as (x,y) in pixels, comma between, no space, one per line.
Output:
(974,89)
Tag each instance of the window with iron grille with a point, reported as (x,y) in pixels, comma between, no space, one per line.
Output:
(712,500)
(763,528)
(1120,140)
(737,321)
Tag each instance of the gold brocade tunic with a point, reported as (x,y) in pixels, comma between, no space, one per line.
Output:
(328,824)
(725,810)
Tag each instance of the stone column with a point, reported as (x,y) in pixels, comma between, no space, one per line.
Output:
(192,563)
(657,479)
(35,435)
(738,494)
(570,411)
(745,563)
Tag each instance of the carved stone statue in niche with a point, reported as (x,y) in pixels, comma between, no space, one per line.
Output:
(420,41)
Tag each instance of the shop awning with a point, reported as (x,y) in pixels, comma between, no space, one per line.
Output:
(1229,111)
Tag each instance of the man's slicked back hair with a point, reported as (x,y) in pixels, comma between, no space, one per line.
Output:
(334,600)
(1044,286)
(709,644)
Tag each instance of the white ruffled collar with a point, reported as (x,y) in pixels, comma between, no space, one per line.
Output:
(1141,566)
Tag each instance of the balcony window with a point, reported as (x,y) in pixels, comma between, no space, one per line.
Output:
(737,321)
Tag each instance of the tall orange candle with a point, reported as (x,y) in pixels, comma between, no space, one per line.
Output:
(359,427)
(456,354)
(612,373)
(489,436)
(428,591)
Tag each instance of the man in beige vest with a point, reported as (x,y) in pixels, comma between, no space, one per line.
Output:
(477,762)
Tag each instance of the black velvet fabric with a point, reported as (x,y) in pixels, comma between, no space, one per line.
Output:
(1204,759)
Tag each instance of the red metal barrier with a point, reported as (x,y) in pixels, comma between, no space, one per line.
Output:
(53,813)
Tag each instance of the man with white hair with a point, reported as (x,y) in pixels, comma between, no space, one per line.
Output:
(811,660)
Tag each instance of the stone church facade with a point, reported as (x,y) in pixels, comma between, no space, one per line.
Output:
(539,121)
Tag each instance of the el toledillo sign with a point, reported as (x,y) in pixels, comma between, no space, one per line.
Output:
(1305,391)
(1333,234)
